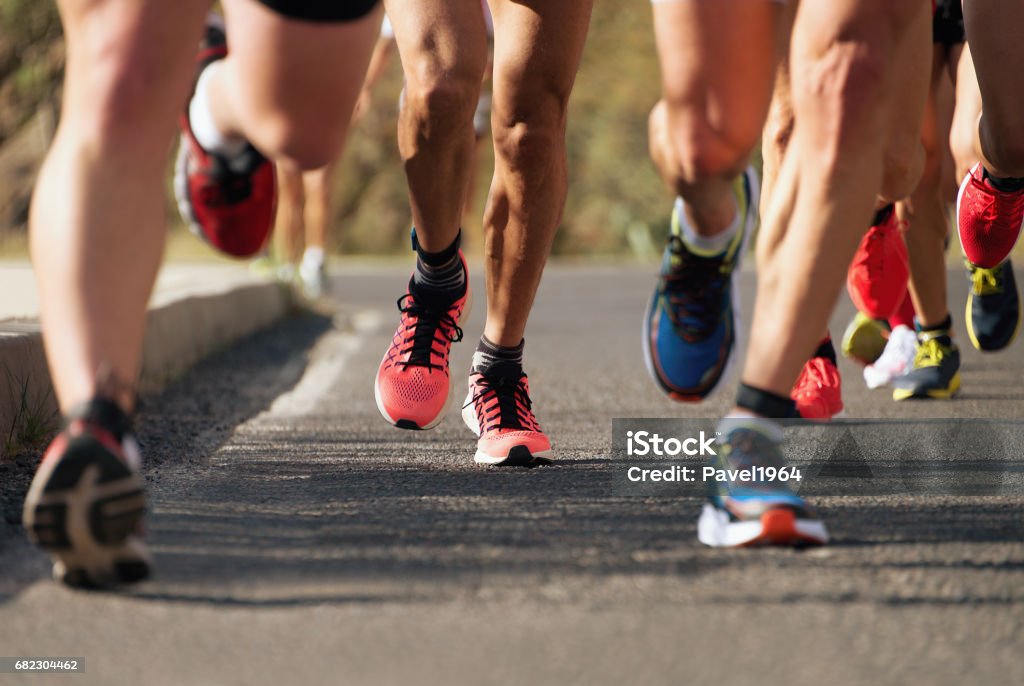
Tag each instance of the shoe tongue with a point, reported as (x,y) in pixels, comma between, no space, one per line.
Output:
(508,371)
(432,297)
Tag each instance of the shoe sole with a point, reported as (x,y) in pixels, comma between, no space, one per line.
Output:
(517,456)
(933,394)
(777,527)
(853,342)
(84,508)
(737,327)
(409,424)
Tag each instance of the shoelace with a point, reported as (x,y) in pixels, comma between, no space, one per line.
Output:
(986,281)
(513,401)
(999,204)
(930,353)
(693,287)
(429,324)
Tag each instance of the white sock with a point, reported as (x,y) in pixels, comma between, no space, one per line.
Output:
(314,256)
(204,128)
(706,244)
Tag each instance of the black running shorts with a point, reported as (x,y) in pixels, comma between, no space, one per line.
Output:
(948,23)
(322,11)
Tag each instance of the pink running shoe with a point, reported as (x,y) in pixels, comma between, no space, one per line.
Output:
(499,411)
(413,380)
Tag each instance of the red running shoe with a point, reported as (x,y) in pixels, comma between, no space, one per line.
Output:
(818,392)
(228,204)
(413,380)
(877,277)
(987,220)
(498,410)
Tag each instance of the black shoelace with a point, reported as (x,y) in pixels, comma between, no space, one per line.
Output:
(694,288)
(430,320)
(509,391)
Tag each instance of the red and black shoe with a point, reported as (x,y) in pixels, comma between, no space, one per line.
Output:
(498,409)
(86,502)
(988,220)
(228,203)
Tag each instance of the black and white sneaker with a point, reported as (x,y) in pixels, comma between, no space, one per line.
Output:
(86,502)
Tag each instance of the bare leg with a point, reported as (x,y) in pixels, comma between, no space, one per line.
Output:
(318,205)
(716,86)
(443,45)
(537,50)
(310,75)
(291,203)
(964,130)
(97,219)
(994,28)
(926,211)
(844,92)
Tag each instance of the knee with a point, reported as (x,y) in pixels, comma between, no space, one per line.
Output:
(442,99)
(529,131)
(118,98)
(693,149)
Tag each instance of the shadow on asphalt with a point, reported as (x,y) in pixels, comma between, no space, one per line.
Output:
(193,417)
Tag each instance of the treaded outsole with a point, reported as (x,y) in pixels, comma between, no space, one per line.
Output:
(83,508)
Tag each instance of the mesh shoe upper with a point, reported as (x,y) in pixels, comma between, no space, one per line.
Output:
(988,220)
(413,379)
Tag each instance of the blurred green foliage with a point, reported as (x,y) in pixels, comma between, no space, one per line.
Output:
(616,201)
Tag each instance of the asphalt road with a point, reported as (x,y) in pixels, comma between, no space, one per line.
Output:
(300,539)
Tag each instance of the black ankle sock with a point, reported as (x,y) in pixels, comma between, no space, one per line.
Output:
(490,357)
(826,350)
(103,413)
(945,326)
(765,403)
(882,214)
(1003,184)
(439,271)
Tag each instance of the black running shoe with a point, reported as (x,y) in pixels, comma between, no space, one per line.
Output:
(936,371)
(86,503)
(993,307)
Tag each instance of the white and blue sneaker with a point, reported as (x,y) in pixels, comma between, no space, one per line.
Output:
(749,509)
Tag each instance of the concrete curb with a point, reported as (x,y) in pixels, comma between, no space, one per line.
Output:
(179,332)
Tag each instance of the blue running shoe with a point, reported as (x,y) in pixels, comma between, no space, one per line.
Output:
(753,510)
(690,327)
(993,306)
